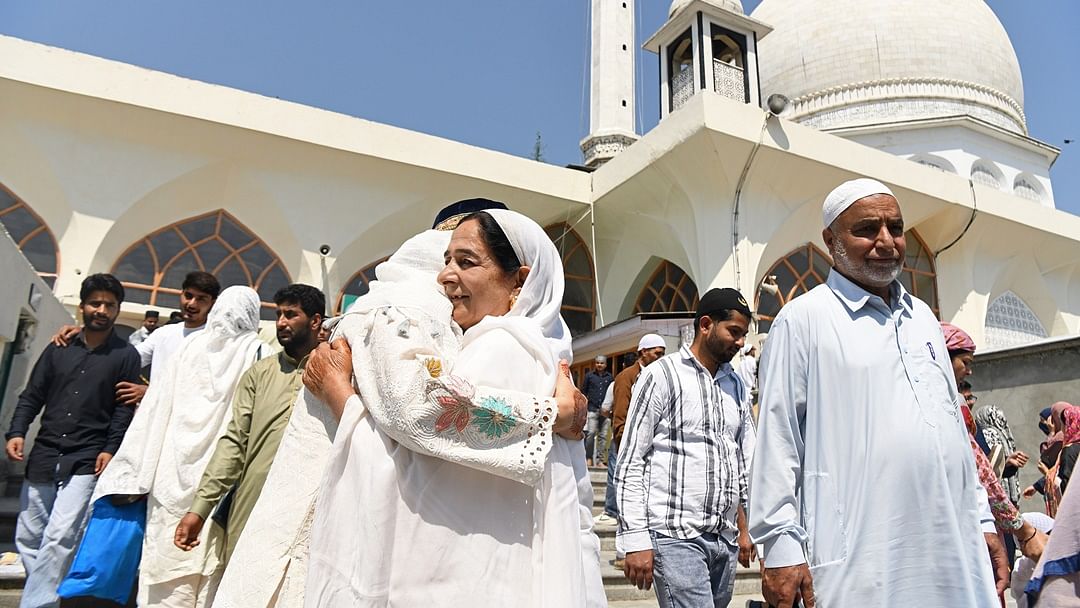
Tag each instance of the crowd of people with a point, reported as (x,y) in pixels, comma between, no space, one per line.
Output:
(428,447)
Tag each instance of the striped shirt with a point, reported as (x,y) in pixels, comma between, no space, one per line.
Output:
(684,461)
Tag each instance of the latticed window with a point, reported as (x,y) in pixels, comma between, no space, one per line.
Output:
(669,289)
(579,295)
(807,267)
(795,274)
(153,269)
(919,276)
(1010,322)
(30,233)
(357,285)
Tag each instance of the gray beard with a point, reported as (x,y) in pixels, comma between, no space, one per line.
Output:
(869,275)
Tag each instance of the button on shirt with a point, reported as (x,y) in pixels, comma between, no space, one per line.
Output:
(863,467)
(76,386)
(594,387)
(688,444)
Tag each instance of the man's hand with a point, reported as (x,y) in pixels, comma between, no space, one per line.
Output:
(638,568)
(328,374)
(572,404)
(15,449)
(782,586)
(103,460)
(747,550)
(187,531)
(998,560)
(130,393)
(64,335)
(1017,459)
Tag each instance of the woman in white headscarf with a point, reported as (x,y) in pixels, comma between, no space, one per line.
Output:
(397,526)
(170,441)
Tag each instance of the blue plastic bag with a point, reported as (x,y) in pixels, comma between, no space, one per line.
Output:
(108,558)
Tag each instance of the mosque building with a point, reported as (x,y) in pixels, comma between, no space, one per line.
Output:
(108,167)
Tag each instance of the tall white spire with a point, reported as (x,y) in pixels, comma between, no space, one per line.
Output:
(611,116)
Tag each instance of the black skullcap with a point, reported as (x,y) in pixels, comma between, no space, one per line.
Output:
(151,314)
(716,300)
(460,209)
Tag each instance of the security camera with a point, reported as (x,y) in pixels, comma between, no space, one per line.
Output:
(324,250)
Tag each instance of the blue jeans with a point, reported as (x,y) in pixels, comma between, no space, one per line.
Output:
(693,573)
(52,517)
(592,424)
(611,507)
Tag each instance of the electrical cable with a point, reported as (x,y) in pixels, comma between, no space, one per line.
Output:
(738,197)
(974,210)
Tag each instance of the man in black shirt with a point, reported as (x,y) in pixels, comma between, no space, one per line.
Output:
(81,428)
(594,387)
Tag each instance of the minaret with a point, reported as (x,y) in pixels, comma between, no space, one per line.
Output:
(611,116)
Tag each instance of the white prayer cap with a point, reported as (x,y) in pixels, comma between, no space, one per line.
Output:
(601,359)
(846,194)
(651,341)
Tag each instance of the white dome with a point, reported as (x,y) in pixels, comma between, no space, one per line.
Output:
(734,6)
(857,62)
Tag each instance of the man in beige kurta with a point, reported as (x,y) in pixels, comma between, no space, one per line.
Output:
(261,410)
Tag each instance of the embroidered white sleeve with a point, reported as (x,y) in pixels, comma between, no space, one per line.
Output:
(400,377)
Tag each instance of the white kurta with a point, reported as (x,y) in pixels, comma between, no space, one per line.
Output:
(159,347)
(862,458)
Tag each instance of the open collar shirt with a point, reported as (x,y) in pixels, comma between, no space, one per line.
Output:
(76,387)
(685,457)
(863,467)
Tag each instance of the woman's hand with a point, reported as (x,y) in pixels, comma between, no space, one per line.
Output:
(328,375)
(1017,459)
(1028,492)
(1030,541)
(572,404)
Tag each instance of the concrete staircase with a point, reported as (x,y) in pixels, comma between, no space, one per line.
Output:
(621,593)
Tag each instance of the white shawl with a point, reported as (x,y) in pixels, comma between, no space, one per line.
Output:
(172,436)
(431,531)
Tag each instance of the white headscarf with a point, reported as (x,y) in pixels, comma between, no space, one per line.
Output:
(189,408)
(540,301)
(846,195)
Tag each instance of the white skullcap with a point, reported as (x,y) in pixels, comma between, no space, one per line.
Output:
(601,359)
(845,195)
(651,341)
(1041,522)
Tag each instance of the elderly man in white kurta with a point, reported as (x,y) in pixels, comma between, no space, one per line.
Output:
(863,490)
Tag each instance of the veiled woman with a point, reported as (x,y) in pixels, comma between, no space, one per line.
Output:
(170,441)
(397,526)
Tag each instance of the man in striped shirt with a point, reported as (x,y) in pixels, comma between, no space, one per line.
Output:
(681,479)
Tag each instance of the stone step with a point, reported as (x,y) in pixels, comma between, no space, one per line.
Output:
(738,601)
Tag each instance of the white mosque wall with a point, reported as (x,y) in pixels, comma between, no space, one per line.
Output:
(963,149)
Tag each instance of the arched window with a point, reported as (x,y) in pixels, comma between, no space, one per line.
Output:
(919,276)
(681,70)
(1010,322)
(1025,187)
(984,172)
(669,289)
(795,274)
(579,295)
(807,267)
(30,233)
(153,269)
(357,285)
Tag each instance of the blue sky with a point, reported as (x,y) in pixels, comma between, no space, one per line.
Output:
(491,73)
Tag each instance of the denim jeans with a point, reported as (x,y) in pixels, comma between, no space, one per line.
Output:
(591,425)
(611,507)
(693,573)
(603,425)
(52,518)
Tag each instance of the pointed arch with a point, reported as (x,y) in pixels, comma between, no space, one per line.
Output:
(919,275)
(153,268)
(1011,322)
(31,234)
(357,285)
(807,267)
(669,289)
(791,276)
(579,294)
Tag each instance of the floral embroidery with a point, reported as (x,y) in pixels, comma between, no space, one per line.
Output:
(434,367)
(455,402)
(493,417)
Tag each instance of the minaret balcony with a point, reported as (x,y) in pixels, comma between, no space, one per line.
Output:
(729,81)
